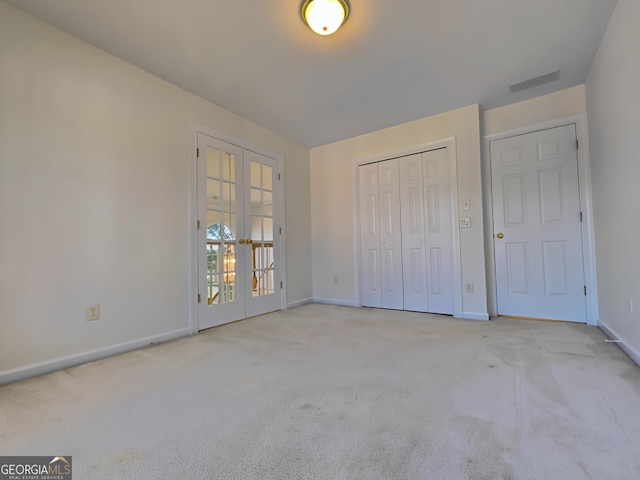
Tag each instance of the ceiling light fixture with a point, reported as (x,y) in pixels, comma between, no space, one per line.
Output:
(325,16)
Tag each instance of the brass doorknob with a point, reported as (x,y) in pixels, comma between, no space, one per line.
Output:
(500,235)
(242,241)
(249,241)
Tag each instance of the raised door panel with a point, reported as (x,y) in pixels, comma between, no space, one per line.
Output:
(515,200)
(517,260)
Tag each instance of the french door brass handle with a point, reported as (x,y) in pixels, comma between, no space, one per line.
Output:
(249,241)
(500,235)
(242,241)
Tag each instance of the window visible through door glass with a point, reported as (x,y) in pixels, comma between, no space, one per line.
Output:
(221,227)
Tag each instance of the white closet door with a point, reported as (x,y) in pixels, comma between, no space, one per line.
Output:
(370,235)
(439,258)
(380,235)
(390,235)
(426,232)
(413,234)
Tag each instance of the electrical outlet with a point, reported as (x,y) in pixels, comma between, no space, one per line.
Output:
(469,287)
(630,305)
(93,312)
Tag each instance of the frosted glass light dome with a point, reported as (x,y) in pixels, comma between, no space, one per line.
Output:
(325,16)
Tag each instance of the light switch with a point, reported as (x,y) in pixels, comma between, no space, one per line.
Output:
(465,223)
(466,205)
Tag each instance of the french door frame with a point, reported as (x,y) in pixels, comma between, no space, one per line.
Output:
(193,283)
(584,182)
(456,269)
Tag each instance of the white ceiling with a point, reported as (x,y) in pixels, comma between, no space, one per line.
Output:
(392,62)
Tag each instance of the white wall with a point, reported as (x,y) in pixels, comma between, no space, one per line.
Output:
(94,198)
(537,110)
(613,103)
(333,209)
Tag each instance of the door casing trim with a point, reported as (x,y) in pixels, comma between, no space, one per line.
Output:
(584,183)
(192,293)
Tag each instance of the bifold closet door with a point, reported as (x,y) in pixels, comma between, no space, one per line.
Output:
(438,238)
(381,239)
(426,232)
(414,267)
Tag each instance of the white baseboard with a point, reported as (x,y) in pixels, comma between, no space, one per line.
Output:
(41,368)
(475,316)
(335,301)
(345,303)
(300,303)
(628,349)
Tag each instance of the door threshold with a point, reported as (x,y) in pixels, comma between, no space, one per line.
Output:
(537,319)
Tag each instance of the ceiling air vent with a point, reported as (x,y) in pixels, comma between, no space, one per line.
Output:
(534,82)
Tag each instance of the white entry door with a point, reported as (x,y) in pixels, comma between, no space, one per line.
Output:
(425,200)
(537,225)
(238,244)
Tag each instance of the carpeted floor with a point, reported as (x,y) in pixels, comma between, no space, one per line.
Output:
(323,392)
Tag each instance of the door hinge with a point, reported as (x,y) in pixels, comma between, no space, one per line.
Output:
(280,284)
(197,152)
(585,290)
(581,216)
(577,145)
(199,299)
(198,224)
(278,176)
(280,230)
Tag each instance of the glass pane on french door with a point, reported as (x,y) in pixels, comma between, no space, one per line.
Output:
(221,227)
(262,229)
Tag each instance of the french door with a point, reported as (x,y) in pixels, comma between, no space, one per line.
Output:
(239,243)
(537,225)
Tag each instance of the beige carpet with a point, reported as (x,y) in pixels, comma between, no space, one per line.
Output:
(323,392)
